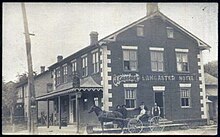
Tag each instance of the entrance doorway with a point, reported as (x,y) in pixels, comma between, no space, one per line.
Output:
(159,99)
(72,111)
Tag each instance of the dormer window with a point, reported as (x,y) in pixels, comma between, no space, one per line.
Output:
(140,30)
(170,32)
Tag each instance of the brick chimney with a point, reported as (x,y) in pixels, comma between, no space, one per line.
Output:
(152,8)
(42,69)
(59,58)
(93,37)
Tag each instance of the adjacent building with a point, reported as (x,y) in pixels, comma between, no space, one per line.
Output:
(211,85)
(43,84)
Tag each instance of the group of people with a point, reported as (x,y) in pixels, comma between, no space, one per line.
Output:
(143,110)
(155,111)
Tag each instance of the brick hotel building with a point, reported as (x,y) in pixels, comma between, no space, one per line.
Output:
(151,60)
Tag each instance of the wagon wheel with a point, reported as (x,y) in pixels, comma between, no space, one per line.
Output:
(157,124)
(135,126)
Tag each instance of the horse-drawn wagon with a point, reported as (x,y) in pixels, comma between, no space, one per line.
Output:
(131,125)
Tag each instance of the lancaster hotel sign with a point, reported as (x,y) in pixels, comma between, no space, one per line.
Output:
(134,78)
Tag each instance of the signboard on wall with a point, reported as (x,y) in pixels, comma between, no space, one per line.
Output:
(135,78)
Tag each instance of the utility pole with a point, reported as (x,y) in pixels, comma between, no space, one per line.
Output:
(32,119)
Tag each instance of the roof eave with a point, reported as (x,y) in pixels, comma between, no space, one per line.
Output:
(72,56)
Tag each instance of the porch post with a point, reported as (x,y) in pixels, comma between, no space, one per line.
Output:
(37,112)
(77,119)
(48,113)
(78,95)
(59,112)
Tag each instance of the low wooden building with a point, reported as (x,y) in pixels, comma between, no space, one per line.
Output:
(211,86)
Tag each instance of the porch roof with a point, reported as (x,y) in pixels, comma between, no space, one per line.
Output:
(51,95)
(86,84)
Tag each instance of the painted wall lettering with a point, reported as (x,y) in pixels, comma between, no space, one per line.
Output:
(134,78)
(125,78)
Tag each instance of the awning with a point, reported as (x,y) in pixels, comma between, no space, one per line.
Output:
(89,82)
(86,84)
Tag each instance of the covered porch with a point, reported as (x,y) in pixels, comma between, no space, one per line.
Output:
(71,105)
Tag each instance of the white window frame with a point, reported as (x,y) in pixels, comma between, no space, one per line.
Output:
(58,82)
(65,73)
(132,96)
(74,67)
(20,94)
(95,61)
(130,49)
(84,66)
(186,94)
(160,50)
(140,30)
(177,62)
(170,32)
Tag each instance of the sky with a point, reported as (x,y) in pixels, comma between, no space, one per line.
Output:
(63,28)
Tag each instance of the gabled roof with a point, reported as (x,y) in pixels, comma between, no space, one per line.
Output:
(111,37)
(210,80)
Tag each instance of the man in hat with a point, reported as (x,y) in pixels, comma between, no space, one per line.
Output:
(142,110)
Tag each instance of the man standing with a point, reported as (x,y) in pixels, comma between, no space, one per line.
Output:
(156,112)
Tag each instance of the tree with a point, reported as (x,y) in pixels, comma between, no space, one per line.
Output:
(211,68)
(24,76)
(9,97)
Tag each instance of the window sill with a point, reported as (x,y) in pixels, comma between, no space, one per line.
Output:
(130,70)
(185,107)
(182,72)
(158,71)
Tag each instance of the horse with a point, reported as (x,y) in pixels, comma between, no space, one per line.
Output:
(107,116)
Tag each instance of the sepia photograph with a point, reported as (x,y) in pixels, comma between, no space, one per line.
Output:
(109,68)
